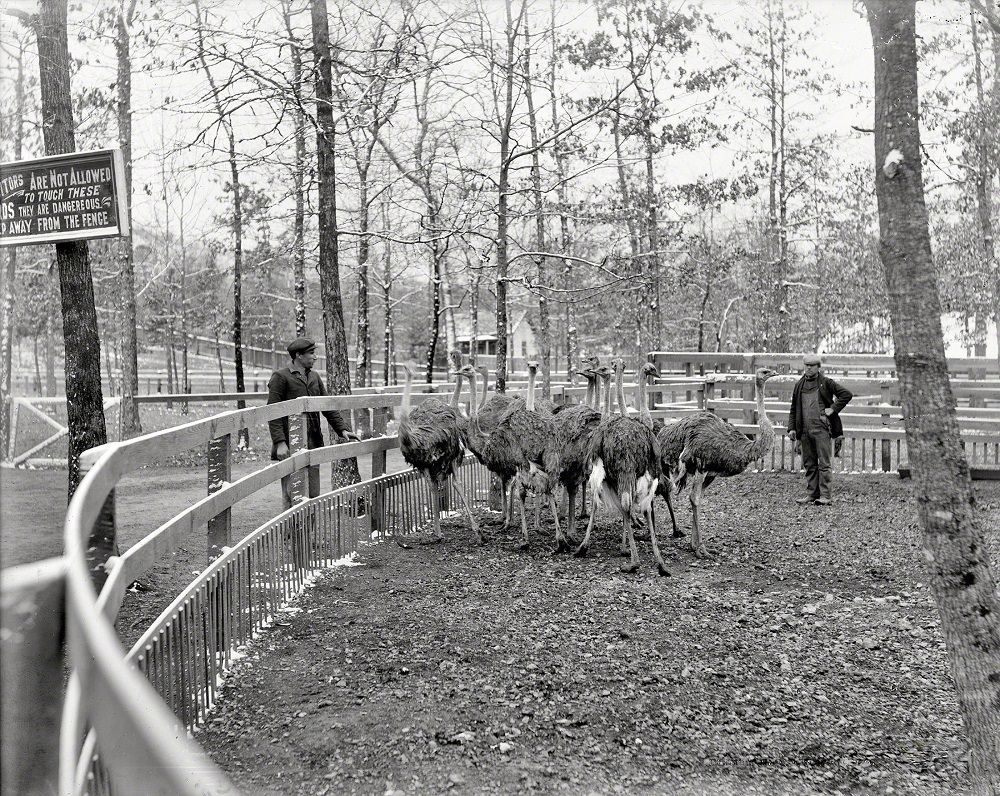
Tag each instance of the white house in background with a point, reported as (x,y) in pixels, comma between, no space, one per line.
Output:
(521,344)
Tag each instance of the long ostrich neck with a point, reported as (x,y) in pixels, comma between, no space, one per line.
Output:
(607,397)
(458,391)
(404,409)
(641,402)
(530,400)
(476,433)
(764,441)
(486,387)
(591,383)
(620,389)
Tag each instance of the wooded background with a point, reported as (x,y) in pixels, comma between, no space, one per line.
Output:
(700,175)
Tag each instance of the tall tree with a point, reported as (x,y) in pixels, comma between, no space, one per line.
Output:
(338,374)
(130,422)
(961,580)
(224,120)
(10,266)
(298,174)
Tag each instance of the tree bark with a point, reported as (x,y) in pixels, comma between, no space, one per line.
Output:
(541,242)
(234,176)
(961,581)
(338,375)
(298,178)
(503,184)
(561,193)
(84,398)
(10,270)
(130,422)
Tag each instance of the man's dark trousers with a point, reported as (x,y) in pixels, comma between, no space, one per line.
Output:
(816,449)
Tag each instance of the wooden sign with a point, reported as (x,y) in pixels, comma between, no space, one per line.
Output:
(74,196)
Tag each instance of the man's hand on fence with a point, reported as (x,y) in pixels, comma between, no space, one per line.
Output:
(352,435)
(791,436)
(281,451)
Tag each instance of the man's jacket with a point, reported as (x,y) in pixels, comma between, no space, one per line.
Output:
(831,394)
(293,382)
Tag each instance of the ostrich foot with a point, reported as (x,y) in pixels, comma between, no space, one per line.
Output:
(629,567)
(702,552)
(664,572)
(678,534)
(581,551)
(563,546)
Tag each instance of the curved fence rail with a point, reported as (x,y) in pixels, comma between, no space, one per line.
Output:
(186,652)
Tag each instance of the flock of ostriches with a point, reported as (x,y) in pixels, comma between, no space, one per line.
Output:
(534,446)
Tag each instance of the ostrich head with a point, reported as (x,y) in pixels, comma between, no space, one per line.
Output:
(649,370)
(761,375)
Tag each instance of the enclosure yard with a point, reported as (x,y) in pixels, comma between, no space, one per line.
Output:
(807,658)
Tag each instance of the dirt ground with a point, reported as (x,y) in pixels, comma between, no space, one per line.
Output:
(806,659)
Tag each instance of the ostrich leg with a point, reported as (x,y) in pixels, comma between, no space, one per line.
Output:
(581,551)
(509,500)
(656,547)
(561,545)
(435,490)
(468,511)
(697,545)
(678,533)
(570,517)
(522,493)
(633,563)
(583,502)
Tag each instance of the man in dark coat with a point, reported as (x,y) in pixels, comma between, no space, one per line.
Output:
(296,381)
(814,421)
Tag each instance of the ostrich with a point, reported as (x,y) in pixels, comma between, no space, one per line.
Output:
(624,473)
(497,459)
(529,438)
(431,443)
(703,446)
(575,426)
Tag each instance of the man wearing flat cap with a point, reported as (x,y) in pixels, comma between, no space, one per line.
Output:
(296,381)
(814,421)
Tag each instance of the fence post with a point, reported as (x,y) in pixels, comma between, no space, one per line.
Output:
(32,636)
(15,407)
(885,389)
(298,485)
(220,471)
(376,520)
(709,394)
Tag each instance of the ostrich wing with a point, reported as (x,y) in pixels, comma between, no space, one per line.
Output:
(719,448)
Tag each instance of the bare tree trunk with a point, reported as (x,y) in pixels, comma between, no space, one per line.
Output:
(387,369)
(84,399)
(337,371)
(954,548)
(234,176)
(128,410)
(218,358)
(435,286)
(37,386)
(503,184)
(10,269)
(50,355)
(564,236)
(363,357)
(984,186)
(541,242)
(298,244)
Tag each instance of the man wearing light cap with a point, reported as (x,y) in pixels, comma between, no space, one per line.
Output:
(814,421)
(296,381)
